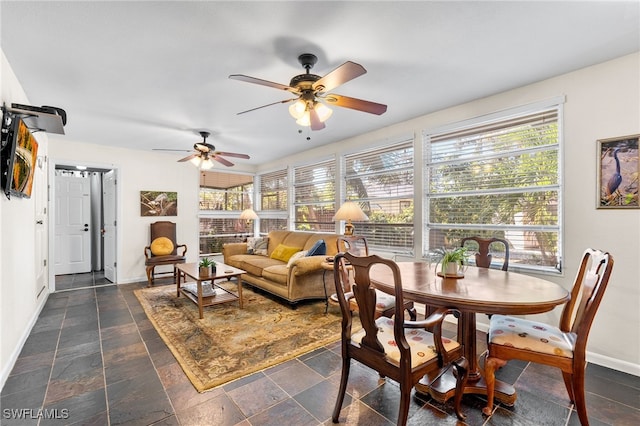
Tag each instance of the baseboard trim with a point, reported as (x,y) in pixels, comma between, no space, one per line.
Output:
(4,375)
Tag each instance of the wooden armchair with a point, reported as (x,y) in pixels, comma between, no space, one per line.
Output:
(386,305)
(483,256)
(401,350)
(163,250)
(563,347)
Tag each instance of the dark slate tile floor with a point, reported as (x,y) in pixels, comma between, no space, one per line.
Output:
(75,281)
(93,358)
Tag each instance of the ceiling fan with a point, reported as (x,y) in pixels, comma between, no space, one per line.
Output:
(310,107)
(205,152)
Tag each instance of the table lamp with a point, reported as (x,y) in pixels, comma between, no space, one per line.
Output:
(248,215)
(350,211)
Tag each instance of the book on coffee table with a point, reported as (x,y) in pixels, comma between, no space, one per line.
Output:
(208,290)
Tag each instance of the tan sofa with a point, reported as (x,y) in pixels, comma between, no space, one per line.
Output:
(304,279)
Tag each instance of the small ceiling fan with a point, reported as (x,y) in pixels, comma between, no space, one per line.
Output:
(310,107)
(205,152)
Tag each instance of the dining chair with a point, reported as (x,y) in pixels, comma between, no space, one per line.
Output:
(163,250)
(400,349)
(386,303)
(564,346)
(484,255)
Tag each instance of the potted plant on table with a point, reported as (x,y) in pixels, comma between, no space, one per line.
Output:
(451,261)
(206,266)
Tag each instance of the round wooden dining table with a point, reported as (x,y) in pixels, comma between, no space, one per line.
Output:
(480,290)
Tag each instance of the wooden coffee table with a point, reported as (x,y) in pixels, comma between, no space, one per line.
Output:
(196,293)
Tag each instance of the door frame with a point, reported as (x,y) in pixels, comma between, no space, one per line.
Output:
(53,163)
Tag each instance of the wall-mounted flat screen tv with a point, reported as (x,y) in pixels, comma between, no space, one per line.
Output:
(22,153)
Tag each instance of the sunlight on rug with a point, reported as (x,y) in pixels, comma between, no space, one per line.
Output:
(230,342)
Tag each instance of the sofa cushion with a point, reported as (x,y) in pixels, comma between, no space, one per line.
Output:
(253,264)
(329,241)
(257,245)
(319,248)
(276,273)
(295,257)
(283,252)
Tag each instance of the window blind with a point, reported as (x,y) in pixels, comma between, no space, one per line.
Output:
(273,190)
(314,196)
(381,182)
(500,179)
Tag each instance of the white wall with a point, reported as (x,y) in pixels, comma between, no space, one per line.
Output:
(602,101)
(138,171)
(20,301)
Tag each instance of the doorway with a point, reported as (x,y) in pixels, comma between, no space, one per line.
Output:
(83,226)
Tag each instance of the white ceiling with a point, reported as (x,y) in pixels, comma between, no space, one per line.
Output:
(149,75)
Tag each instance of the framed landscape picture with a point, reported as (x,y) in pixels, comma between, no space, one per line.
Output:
(158,203)
(618,172)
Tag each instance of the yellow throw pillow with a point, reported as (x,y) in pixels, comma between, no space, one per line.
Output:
(283,252)
(161,246)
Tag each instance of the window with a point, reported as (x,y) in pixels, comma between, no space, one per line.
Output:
(237,198)
(381,182)
(273,191)
(216,231)
(223,196)
(314,197)
(498,178)
(273,201)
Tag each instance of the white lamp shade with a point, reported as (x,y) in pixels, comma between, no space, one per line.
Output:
(248,214)
(324,112)
(350,211)
(298,108)
(300,111)
(206,164)
(304,120)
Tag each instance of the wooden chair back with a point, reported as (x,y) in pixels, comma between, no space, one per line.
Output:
(484,255)
(358,246)
(164,228)
(571,335)
(167,229)
(588,288)
(369,350)
(355,245)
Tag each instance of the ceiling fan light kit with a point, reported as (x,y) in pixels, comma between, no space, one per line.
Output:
(201,163)
(307,109)
(301,111)
(205,153)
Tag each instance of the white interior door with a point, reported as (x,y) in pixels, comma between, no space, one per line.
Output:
(109,227)
(73,224)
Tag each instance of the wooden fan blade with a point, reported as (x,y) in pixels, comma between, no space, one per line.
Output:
(247,79)
(174,150)
(222,161)
(264,106)
(232,154)
(189,157)
(357,104)
(345,72)
(316,124)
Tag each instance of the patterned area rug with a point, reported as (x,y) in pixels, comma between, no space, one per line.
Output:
(229,342)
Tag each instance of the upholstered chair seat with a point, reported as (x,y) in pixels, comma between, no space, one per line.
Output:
(420,341)
(530,335)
